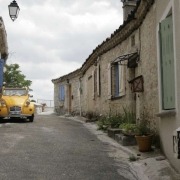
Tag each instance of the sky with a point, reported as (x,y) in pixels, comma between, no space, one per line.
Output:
(51,38)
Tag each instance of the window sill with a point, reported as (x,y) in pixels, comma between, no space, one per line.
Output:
(117,97)
(166,113)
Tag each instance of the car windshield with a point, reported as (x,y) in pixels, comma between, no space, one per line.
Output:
(15,92)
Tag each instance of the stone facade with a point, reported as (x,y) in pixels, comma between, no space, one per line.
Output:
(71,92)
(3,40)
(3,50)
(94,85)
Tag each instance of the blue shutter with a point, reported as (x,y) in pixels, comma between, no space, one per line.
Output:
(1,72)
(61,93)
(167,64)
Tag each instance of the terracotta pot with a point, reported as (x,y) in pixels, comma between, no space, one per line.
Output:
(144,142)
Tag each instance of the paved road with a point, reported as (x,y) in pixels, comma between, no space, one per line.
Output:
(53,148)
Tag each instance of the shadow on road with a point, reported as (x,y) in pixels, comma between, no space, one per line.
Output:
(14,120)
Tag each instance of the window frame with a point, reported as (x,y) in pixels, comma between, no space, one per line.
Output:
(169,10)
(61,93)
(116,80)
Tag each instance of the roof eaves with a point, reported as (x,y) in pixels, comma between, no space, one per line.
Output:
(67,76)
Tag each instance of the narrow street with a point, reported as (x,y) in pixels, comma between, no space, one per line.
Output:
(53,148)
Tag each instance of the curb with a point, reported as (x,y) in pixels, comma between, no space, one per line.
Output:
(148,166)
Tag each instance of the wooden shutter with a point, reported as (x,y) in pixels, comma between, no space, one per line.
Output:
(121,80)
(61,93)
(109,81)
(167,63)
(93,87)
(98,80)
(1,72)
(117,70)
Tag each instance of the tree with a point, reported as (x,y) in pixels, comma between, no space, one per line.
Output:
(14,78)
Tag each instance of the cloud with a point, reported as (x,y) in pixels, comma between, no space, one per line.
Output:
(52,38)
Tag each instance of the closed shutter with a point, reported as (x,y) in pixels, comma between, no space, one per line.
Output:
(117,70)
(93,87)
(109,81)
(167,63)
(1,72)
(121,80)
(98,80)
(61,93)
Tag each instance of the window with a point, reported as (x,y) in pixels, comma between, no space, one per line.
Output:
(116,80)
(61,93)
(167,63)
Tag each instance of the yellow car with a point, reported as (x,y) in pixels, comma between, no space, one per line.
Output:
(15,103)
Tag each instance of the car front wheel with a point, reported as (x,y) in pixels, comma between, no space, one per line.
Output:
(31,118)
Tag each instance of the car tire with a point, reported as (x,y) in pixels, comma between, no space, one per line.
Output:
(31,118)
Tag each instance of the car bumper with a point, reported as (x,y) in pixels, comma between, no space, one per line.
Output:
(17,115)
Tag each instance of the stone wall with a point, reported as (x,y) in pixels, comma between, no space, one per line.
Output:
(137,34)
(147,67)
(71,103)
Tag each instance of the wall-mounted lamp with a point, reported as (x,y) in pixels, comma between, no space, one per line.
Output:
(13,10)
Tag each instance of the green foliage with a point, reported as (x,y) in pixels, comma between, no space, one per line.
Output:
(129,116)
(103,123)
(111,121)
(14,78)
(115,120)
(143,124)
(129,128)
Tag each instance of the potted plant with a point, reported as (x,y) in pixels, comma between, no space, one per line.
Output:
(144,133)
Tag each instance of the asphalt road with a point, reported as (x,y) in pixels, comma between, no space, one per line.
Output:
(53,148)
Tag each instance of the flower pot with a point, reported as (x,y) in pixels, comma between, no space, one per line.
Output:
(144,142)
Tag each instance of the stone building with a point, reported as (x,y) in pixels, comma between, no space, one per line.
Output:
(67,93)
(3,49)
(137,68)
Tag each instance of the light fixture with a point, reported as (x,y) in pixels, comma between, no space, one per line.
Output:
(13,10)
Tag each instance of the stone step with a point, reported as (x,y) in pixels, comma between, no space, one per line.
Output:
(125,140)
(113,131)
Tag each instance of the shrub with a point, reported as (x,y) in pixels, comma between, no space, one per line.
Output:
(102,123)
(129,116)
(129,128)
(115,120)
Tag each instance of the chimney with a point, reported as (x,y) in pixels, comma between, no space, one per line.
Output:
(128,6)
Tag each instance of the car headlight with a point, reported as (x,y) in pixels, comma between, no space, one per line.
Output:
(2,102)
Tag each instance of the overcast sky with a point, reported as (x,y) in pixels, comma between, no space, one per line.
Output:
(52,38)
